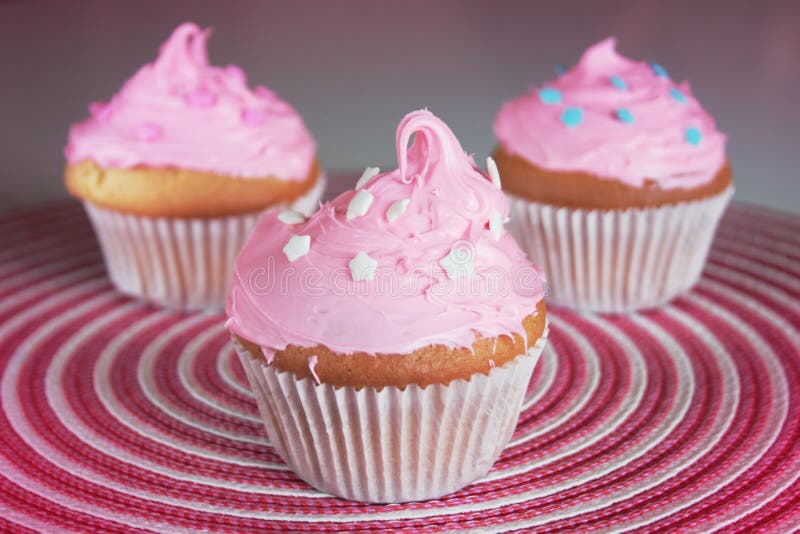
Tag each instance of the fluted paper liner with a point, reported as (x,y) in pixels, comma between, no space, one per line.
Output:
(618,260)
(391,445)
(183,263)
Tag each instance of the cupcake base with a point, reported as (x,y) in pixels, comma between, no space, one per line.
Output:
(183,263)
(618,260)
(390,445)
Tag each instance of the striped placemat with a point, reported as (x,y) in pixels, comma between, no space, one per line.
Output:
(117,416)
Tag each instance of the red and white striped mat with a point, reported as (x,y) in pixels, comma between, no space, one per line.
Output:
(117,416)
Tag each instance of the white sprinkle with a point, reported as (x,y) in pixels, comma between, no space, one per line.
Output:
(312,367)
(491,363)
(397,208)
(291,217)
(369,174)
(491,166)
(496,225)
(460,261)
(362,267)
(298,246)
(359,204)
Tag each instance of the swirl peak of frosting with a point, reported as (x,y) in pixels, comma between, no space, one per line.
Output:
(411,257)
(615,118)
(180,111)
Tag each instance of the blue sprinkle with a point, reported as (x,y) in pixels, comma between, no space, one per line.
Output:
(659,71)
(624,115)
(618,82)
(693,135)
(677,95)
(572,117)
(548,95)
(560,69)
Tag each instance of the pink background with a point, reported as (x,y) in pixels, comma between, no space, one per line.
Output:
(354,68)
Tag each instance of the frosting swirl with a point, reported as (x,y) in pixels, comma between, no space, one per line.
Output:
(412,257)
(180,111)
(615,118)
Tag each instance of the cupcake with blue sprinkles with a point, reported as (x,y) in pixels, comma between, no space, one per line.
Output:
(617,179)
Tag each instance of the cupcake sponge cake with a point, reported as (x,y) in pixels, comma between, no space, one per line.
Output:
(610,133)
(406,289)
(175,168)
(184,138)
(617,178)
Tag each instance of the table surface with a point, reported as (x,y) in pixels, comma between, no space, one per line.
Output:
(118,416)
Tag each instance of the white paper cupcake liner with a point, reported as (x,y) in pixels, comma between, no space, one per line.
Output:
(618,260)
(392,445)
(183,263)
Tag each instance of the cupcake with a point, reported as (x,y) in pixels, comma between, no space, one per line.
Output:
(390,337)
(616,178)
(175,168)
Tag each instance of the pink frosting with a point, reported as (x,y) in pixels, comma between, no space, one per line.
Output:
(636,124)
(180,111)
(412,300)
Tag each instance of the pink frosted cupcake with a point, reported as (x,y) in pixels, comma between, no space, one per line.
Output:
(176,167)
(390,337)
(617,178)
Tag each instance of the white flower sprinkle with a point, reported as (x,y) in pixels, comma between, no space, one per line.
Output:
(359,204)
(362,267)
(494,174)
(297,247)
(369,174)
(460,261)
(397,208)
(291,217)
(496,225)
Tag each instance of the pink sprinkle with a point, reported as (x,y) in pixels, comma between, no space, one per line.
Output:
(201,98)
(263,92)
(149,131)
(312,367)
(237,74)
(275,103)
(100,111)
(254,117)
(491,364)
(269,355)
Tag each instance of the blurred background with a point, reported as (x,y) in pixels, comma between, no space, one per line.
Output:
(353,68)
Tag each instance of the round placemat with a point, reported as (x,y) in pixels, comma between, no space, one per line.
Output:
(118,416)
